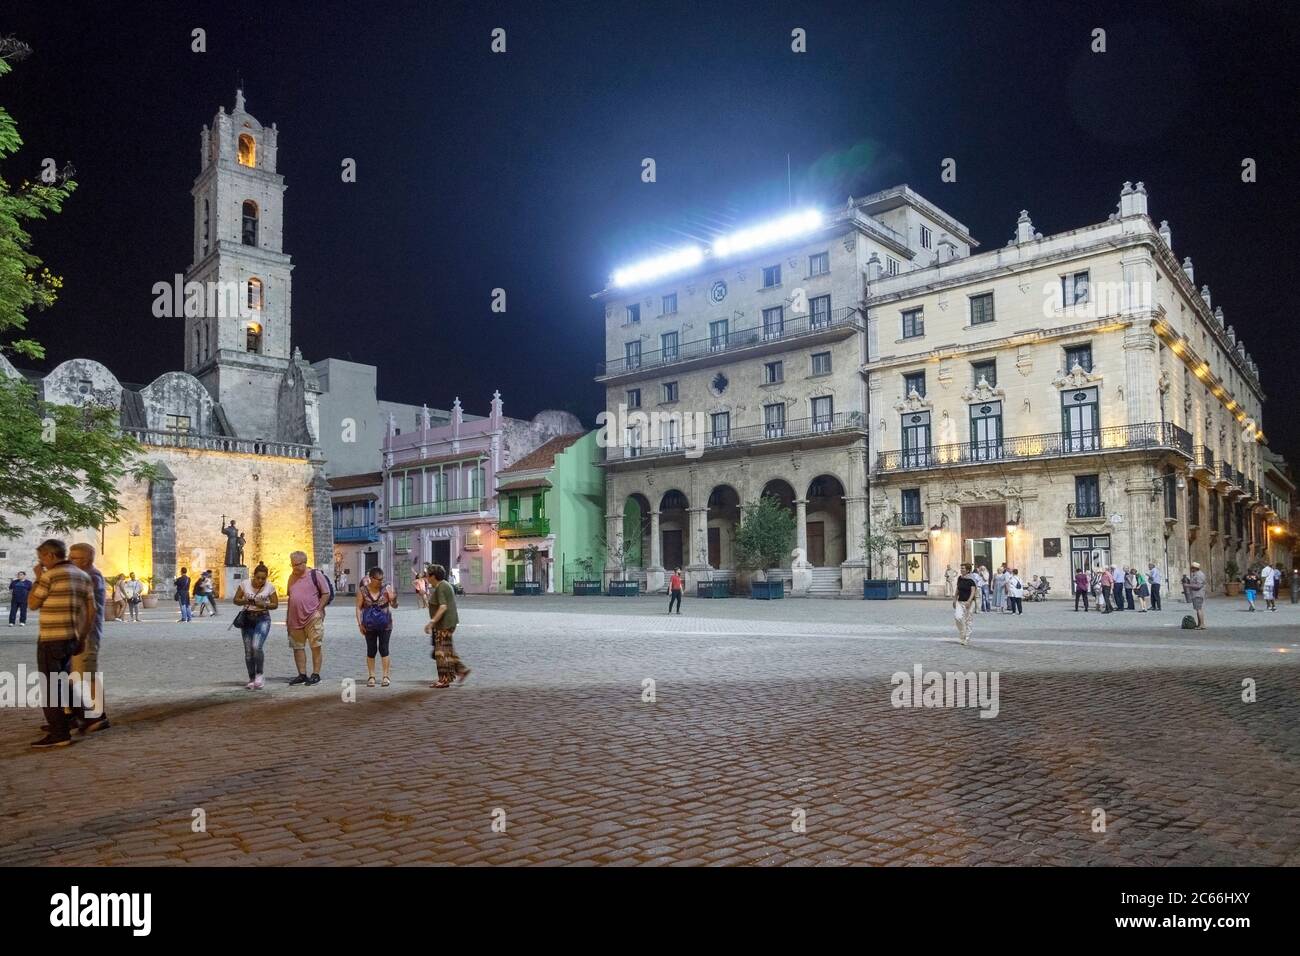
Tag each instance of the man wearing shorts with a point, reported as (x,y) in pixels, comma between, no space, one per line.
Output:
(309,593)
(1196,591)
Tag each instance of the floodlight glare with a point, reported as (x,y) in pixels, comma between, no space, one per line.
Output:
(786,227)
(659,266)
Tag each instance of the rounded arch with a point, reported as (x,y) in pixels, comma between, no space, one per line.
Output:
(781,490)
(636,530)
(723,520)
(674,529)
(247,150)
(250,215)
(255,294)
(826,521)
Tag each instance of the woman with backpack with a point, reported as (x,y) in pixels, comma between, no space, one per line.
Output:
(375,601)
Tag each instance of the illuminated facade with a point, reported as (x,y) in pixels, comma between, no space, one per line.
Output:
(1064,401)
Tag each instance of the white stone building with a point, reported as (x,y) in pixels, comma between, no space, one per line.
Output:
(1063,401)
(739,375)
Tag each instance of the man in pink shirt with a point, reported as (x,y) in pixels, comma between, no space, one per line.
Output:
(309,594)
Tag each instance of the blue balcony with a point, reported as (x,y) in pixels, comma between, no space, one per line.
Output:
(364,532)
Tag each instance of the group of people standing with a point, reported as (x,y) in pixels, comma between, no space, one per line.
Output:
(1264,582)
(977,590)
(1115,588)
(202,592)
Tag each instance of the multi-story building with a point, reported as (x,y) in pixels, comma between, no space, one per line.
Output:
(734,371)
(1279,490)
(439,489)
(1064,401)
(551,511)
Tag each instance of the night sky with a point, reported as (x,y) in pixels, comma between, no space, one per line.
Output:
(522,171)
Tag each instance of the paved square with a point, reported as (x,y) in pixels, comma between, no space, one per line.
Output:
(761,710)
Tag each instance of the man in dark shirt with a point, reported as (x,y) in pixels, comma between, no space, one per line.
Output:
(183,595)
(19,588)
(968,592)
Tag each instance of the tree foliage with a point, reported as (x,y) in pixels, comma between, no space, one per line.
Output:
(765,537)
(60,464)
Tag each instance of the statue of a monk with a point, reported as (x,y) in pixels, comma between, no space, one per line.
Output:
(232,544)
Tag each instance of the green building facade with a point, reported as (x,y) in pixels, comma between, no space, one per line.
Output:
(551,515)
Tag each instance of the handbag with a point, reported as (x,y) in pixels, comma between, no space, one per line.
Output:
(242,620)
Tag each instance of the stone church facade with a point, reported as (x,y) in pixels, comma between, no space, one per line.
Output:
(236,433)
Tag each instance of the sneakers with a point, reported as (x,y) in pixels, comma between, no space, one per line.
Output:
(49,741)
(94,726)
(251,685)
(259,682)
(313,680)
(300,679)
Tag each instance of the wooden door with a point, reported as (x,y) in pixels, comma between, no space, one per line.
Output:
(816,543)
(672,549)
(715,547)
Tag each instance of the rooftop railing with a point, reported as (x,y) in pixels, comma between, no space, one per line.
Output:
(166,438)
(745,436)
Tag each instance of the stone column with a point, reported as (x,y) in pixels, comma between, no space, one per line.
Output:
(697,563)
(800,567)
(162,521)
(322,522)
(654,573)
(1140,387)
(614,540)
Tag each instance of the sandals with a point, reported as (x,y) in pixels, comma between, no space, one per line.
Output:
(371,682)
(441,684)
(386,681)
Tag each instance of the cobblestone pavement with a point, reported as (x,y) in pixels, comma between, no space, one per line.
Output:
(761,710)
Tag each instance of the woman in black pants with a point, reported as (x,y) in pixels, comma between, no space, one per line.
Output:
(375,602)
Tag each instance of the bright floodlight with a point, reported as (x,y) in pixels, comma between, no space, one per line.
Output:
(761,235)
(659,266)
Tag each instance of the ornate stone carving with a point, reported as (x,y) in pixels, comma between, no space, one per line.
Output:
(1024,359)
(943,303)
(1077,377)
(850,243)
(1164,382)
(944,375)
(914,402)
(982,391)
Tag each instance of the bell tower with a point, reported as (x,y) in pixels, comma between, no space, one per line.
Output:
(238,286)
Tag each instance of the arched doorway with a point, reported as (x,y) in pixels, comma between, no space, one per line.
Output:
(636,531)
(723,519)
(825,522)
(674,529)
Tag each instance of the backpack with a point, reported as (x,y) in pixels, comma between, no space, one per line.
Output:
(320,592)
(375,616)
(1189,623)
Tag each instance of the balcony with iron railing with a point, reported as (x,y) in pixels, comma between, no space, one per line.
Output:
(362,532)
(1085,510)
(524,527)
(798,330)
(1225,473)
(1204,459)
(748,436)
(910,519)
(1149,435)
(433,509)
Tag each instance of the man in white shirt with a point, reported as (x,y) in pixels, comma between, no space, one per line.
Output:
(1155,577)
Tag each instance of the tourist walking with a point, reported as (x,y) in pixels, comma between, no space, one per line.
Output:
(963,605)
(1250,587)
(1196,591)
(1015,591)
(310,591)
(422,590)
(375,620)
(675,591)
(258,598)
(1106,582)
(64,594)
(1268,578)
(183,595)
(442,625)
(132,589)
(1155,578)
(85,663)
(118,610)
(203,589)
(1081,589)
(19,588)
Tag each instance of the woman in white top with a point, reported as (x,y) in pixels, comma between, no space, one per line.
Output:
(257,598)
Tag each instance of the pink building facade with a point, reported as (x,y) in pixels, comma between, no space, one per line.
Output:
(439,490)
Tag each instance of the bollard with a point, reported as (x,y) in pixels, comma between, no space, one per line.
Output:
(1295,586)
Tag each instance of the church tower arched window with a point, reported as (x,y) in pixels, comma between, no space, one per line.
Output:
(247,150)
(207,222)
(197,354)
(253,341)
(250,223)
(255,293)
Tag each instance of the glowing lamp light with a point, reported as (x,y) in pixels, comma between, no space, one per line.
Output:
(765,233)
(663,265)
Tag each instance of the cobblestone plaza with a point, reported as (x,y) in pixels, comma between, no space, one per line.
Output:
(767,719)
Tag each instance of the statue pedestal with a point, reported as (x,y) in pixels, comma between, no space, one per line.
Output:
(230,579)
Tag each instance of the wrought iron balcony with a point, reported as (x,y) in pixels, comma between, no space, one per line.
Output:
(1225,472)
(790,329)
(1204,459)
(746,436)
(1085,510)
(1154,435)
(363,532)
(431,509)
(524,527)
(910,519)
